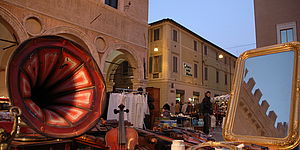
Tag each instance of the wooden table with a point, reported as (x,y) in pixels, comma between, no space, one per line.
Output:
(56,144)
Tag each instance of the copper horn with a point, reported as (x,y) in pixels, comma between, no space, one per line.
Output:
(57,85)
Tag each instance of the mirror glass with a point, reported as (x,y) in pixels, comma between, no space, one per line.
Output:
(265,96)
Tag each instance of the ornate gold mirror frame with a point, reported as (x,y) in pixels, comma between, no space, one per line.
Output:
(213,144)
(292,139)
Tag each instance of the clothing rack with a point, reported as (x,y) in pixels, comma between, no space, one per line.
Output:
(135,101)
(124,90)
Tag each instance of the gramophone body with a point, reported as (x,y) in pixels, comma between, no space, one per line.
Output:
(60,91)
(57,86)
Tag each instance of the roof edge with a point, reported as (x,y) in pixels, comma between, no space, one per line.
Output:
(189,31)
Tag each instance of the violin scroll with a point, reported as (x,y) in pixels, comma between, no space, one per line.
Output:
(121,107)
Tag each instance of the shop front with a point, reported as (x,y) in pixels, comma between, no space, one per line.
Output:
(180,95)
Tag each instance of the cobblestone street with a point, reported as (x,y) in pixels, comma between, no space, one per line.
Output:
(217,134)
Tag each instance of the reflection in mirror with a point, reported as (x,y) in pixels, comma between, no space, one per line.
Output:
(265,96)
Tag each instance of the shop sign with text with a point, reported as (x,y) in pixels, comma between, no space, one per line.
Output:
(187,69)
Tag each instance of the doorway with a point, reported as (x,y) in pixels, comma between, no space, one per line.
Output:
(123,76)
(121,71)
(180,95)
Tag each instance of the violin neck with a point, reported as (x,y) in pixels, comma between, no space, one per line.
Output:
(122,134)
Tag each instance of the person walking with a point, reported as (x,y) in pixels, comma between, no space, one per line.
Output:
(206,109)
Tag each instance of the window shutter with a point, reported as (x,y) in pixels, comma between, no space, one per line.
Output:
(160,63)
(150,64)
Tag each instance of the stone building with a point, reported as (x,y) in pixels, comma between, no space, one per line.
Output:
(276,21)
(184,65)
(253,117)
(114,31)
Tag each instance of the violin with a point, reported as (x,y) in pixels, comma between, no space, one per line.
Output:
(121,138)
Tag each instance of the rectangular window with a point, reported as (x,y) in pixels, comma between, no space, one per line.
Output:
(205,50)
(157,63)
(175,64)
(112,3)
(156,34)
(195,45)
(217,76)
(175,35)
(225,79)
(205,73)
(150,64)
(217,56)
(225,59)
(286,32)
(195,71)
(286,35)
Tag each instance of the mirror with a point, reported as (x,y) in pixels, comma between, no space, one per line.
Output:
(264,104)
(265,96)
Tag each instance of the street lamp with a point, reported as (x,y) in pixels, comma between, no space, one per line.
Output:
(155,49)
(221,56)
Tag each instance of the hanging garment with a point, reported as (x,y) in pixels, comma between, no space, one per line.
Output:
(131,106)
(115,100)
(138,111)
(135,103)
(147,110)
(142,109)
(184,107)
(213,121)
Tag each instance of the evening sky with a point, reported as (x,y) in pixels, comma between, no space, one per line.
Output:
(226,23)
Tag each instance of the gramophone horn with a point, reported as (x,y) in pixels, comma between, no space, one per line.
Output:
(58,86)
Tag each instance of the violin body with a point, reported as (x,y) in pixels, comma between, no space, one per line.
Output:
(111,139)
(121,138)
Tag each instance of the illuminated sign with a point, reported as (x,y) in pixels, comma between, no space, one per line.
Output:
(187,69)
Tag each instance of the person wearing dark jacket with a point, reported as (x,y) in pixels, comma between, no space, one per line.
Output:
(206,109)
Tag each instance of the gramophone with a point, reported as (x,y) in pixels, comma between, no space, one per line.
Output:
(55,86)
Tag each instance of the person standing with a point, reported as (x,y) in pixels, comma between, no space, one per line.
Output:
(172,108)
(184,107)
(206,109)
(177,107)
(212,122)
(166,111)
(189,108)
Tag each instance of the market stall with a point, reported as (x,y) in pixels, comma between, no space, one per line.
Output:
(220,107)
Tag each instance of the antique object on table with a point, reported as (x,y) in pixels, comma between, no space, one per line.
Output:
(121,138)
(177,145)
(6,138)
(213,144)
(57,85)
(263,111)
(264,105)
